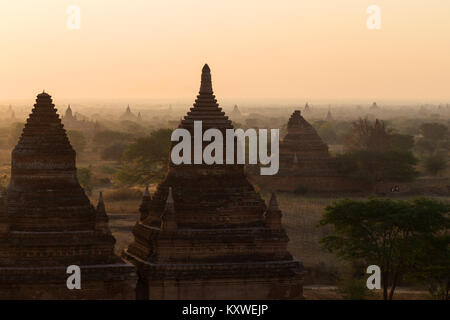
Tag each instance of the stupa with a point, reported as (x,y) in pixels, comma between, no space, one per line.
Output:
(47,223)
(303,143)
(307,108)
(236,115)
(128,115)
(305,163)
(207,234)
(329,117)
(68,116)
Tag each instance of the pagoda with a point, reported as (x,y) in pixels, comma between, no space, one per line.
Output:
(307,108)
(305,163)
(303,148)
(329,117)
(207,234)
(236,115)
(47,222)
(128,115)
(68,116)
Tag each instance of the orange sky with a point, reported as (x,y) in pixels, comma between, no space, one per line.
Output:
(257,49)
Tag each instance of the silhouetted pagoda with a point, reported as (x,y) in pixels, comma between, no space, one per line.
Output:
(206,233)
(128,115)
(329,117)
(307,108)
(305,163)
(303,148)
(68,116)
(236,115)
(47,223)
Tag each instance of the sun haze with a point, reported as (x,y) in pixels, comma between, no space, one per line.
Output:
(257,49)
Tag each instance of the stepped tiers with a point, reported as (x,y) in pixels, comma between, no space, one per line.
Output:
(206,234)
(303,150)
(305,164)
(47,223)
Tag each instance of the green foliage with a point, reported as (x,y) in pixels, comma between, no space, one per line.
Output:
(353,287)
(85,179)
(4,179)
(401,142)
(107,169)
(434,131)
(373,166)
(390,234)
(146,159)
(435,163)
(425,146)
(106,138)
(113,152)
(77,140)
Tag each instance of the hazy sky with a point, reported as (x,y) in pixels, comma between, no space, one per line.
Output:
(305,49)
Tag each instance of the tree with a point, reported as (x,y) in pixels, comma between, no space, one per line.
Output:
(365,136)
(401,142)
(106,138)
(425,146)
(114,152)
(373,166)
(146,159)
(436,163)
(390,234)
(434,131)
(77,140)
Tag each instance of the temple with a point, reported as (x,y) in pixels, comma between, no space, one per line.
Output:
(47,223)
(305,163)
(128,115)
(207,234)
(236,114)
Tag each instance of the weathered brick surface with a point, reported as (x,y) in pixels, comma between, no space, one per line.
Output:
(211,236)
(47,222)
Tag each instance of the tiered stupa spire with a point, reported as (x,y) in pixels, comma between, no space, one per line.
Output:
(51,223)
(206,235)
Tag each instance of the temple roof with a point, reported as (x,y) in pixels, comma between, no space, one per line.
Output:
(206,107)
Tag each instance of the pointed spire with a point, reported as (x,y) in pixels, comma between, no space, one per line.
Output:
(101,218)
(206,84)
(101,204)
(273,214)
(169,201)
(168,219)
(146,192)
(144,208)
(295,158)
(273,203)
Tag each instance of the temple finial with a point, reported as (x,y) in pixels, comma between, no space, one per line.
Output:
(169,201)
(206,84)
(146,192)
(273,214)
(168,219)
(144,208)
(101,203)
(273,203)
